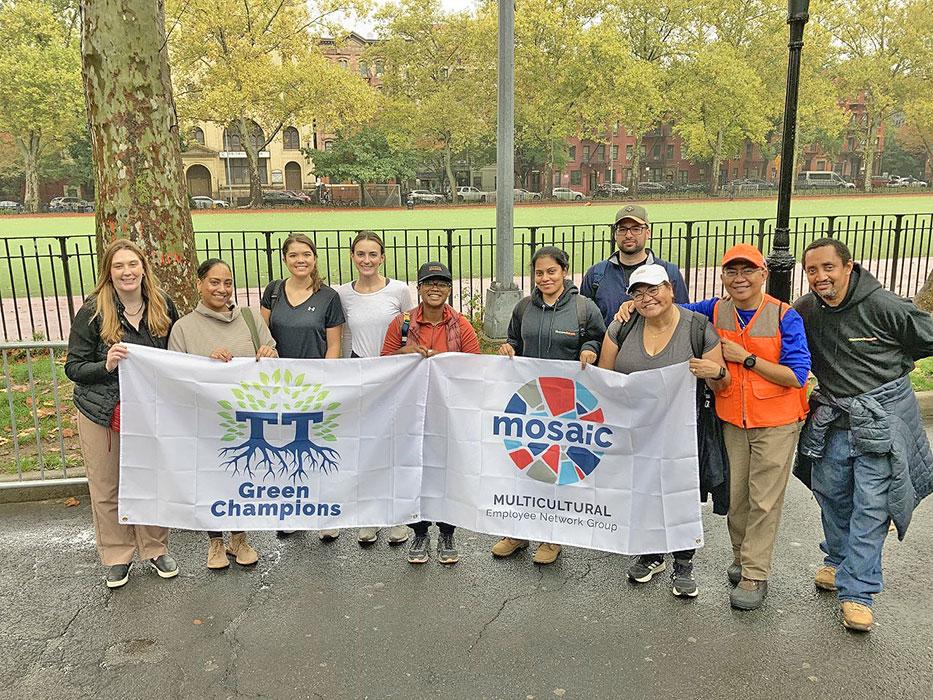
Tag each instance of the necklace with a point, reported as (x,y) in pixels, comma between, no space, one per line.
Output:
(665,328)
(127,312)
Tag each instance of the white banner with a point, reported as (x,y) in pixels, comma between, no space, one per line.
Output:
(536,449)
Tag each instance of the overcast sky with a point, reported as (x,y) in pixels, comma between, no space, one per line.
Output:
(365,28)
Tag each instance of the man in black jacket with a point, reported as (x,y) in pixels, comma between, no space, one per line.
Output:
(863,340)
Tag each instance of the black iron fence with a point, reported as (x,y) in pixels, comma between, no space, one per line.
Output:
(43,280)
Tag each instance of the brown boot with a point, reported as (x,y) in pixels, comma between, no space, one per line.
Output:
(507,546)
(239,548)
(216,556)
(856,616)
(825,578)
(546,553)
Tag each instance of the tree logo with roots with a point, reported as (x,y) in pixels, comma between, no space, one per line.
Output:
(283,403)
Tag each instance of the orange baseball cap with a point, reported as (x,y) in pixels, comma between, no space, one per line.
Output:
(743,251)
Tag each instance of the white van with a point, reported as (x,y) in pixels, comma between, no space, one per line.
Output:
(821,180)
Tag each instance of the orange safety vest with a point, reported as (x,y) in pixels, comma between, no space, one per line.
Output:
(751,401)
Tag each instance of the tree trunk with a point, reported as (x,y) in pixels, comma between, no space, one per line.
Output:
(29,149)
(134,138)
(547,186)
(717,161)
(252,162)
(868,153)
(924,298)
(636,160)
(449,170)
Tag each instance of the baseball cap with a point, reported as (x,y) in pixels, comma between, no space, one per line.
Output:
(434,269)
(743,251)
(632,211)
(647,274)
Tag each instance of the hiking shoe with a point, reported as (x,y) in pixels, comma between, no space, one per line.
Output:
(546,553)
(399,534)
(164,566)
(507,546)
(367,535)
(446,549)
(644,568)
(856,616)
(118,575)
(328,535)
(748,594)
(825,578)
(282,534)
(217,554)
(418,551)
(734,572)
(683,585)
(241,549)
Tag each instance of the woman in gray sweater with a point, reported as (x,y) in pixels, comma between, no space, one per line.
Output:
(217,328)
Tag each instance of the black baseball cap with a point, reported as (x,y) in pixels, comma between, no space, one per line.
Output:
(431,270)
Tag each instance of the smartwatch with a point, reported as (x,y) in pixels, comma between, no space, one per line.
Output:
(749,361)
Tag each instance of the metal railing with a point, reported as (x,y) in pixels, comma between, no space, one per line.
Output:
(43,280)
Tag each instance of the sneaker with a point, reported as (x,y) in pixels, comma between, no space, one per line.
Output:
(282,534)
(748,594)
(217,554)
(241,549)
(118,575)
(856,616)
(507,546)
(164,566)
(644,568)
(546,553)
(367,535)
(418,551)
(329,535)
(825,578)
(734,572)
(399,534)
(446,549)
(683,585)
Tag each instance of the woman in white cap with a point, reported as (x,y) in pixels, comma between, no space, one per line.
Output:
(659,335)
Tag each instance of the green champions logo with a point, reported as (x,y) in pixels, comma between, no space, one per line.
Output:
(281,399)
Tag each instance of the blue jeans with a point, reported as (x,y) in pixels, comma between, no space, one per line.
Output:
(853,495)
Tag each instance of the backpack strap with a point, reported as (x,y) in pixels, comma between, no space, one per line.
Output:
(625,329)
(698,334)
(247,314)
(582,314)
(276,293)
(598,270)
(406,325)
(522,306)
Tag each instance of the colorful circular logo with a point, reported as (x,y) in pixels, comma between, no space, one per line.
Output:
(558,440)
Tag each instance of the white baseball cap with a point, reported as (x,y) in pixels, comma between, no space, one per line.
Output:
(647,274)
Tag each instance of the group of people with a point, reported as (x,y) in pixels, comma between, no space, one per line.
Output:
(858,437)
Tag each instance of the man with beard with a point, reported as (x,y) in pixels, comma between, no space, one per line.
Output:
(606,282)
(863,444)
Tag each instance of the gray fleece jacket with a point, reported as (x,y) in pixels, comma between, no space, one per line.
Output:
(559,332)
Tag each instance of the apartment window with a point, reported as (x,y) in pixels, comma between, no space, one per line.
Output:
(735,173)
(615,131)
(628,153)
(644,151)
(600,153)
(615,153)
(197,134)
(746,173)
(683,177)
(290,139)
(748,150)
(364,69)
(821,165)
(380,69)
(670,151)
(328,145)
(238,170)
(656,175)
(586,154)
(575,177)
(343,63)
(656,151)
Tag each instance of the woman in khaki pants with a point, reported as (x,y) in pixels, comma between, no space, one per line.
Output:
(126,308)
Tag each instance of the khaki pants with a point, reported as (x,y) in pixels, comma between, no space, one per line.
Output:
(116,543)
(760,460)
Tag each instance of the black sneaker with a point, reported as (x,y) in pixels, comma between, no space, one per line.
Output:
(164,566)
(418,551)
(447,549)
(118,575)
(282,534)
(683,585)
(645,566)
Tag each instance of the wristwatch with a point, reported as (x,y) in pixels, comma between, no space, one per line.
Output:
(749,361)
(722,374)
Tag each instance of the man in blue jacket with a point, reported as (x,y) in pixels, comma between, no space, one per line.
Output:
(606,282)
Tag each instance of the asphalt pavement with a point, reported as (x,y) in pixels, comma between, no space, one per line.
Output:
(315,620)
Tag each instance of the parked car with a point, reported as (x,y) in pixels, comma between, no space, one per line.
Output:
(201,202)
(754,184)
(610,190)
(651,187)
(8,206)
(822,180)
(273,198)
(521,195)
(75,204)
(303,196)
(690,187)
(474,194)
(426,197)
(566,193)
(911,181)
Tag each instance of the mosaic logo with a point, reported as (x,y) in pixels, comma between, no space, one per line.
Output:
(552,429)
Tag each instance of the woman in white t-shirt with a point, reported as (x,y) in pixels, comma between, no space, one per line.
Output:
(370,303)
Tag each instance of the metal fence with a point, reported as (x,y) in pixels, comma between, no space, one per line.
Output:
(43,280)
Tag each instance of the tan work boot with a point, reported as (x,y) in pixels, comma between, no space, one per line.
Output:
(825,578)
(399,534)
(241,549)
(546,553)
(856,616)
(507,546)
(216,554)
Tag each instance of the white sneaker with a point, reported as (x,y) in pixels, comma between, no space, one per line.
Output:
(329,535)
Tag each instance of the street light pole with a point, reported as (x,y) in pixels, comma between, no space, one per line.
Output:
(503,294)
(780,261)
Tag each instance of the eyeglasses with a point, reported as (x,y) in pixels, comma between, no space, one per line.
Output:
(437,284)
(730,273)
(650,291)
(625,230)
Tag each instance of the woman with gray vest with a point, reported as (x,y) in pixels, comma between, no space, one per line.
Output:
(553,323)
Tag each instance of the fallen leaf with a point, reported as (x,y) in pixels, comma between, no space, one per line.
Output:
(71,502)
(68,433)
(198,621)
(45,412)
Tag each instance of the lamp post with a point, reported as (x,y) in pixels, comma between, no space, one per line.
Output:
(780,261)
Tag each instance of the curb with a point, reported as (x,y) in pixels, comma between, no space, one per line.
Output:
(53,489)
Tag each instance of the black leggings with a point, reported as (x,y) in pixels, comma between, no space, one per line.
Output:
(683,555)
(421,529)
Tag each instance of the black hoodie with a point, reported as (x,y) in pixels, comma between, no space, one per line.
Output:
(870,339)
(556,332)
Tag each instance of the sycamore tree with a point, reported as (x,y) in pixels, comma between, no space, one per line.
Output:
(440,77)
(363,157)
(254,67)
(40,86)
